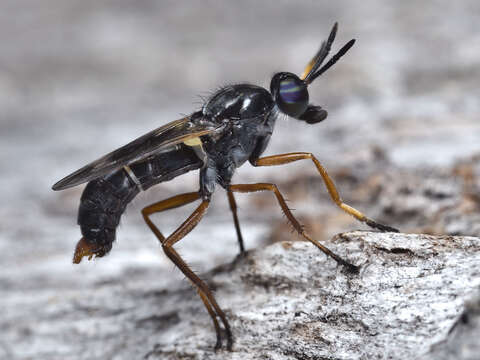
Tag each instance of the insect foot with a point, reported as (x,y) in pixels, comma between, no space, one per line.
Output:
(381,227)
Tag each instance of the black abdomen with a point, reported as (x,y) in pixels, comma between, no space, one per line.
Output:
(104,199)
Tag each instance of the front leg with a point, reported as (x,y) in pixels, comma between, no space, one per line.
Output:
(291,157)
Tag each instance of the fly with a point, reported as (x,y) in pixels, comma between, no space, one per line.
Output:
(234,126)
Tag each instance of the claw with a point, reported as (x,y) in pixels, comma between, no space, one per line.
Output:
(84,248)
(229,343)
(218,344)
(381,227)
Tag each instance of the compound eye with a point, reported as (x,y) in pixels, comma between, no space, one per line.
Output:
(292,96)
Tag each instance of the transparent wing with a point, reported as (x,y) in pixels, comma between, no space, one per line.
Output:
(173,133)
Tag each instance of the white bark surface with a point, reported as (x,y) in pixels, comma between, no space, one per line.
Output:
(462,339)
(284,301)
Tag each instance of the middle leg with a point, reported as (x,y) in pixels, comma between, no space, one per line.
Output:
(233,207)
(244,188)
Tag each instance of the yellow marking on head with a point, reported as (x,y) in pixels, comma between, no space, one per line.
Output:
(308,68)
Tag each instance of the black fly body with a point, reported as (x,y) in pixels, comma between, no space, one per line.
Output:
(233,126)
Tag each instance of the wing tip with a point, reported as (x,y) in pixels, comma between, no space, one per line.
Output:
(57,186)
(62,185)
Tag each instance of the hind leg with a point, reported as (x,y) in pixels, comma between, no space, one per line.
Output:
(205,293)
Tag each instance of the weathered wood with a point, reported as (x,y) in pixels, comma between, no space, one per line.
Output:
(284,301)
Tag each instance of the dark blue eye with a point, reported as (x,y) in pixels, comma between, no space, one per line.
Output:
(290,93)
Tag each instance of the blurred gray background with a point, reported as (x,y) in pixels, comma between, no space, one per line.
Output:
(81,78)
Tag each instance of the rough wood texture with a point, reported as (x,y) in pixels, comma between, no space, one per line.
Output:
(285,301)
(462,339)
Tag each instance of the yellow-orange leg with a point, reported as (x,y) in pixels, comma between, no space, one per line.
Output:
(206,295)
(291,157)
(296,225)
(213,315)
(233,207)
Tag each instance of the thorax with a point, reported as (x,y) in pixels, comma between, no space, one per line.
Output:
(248,114)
